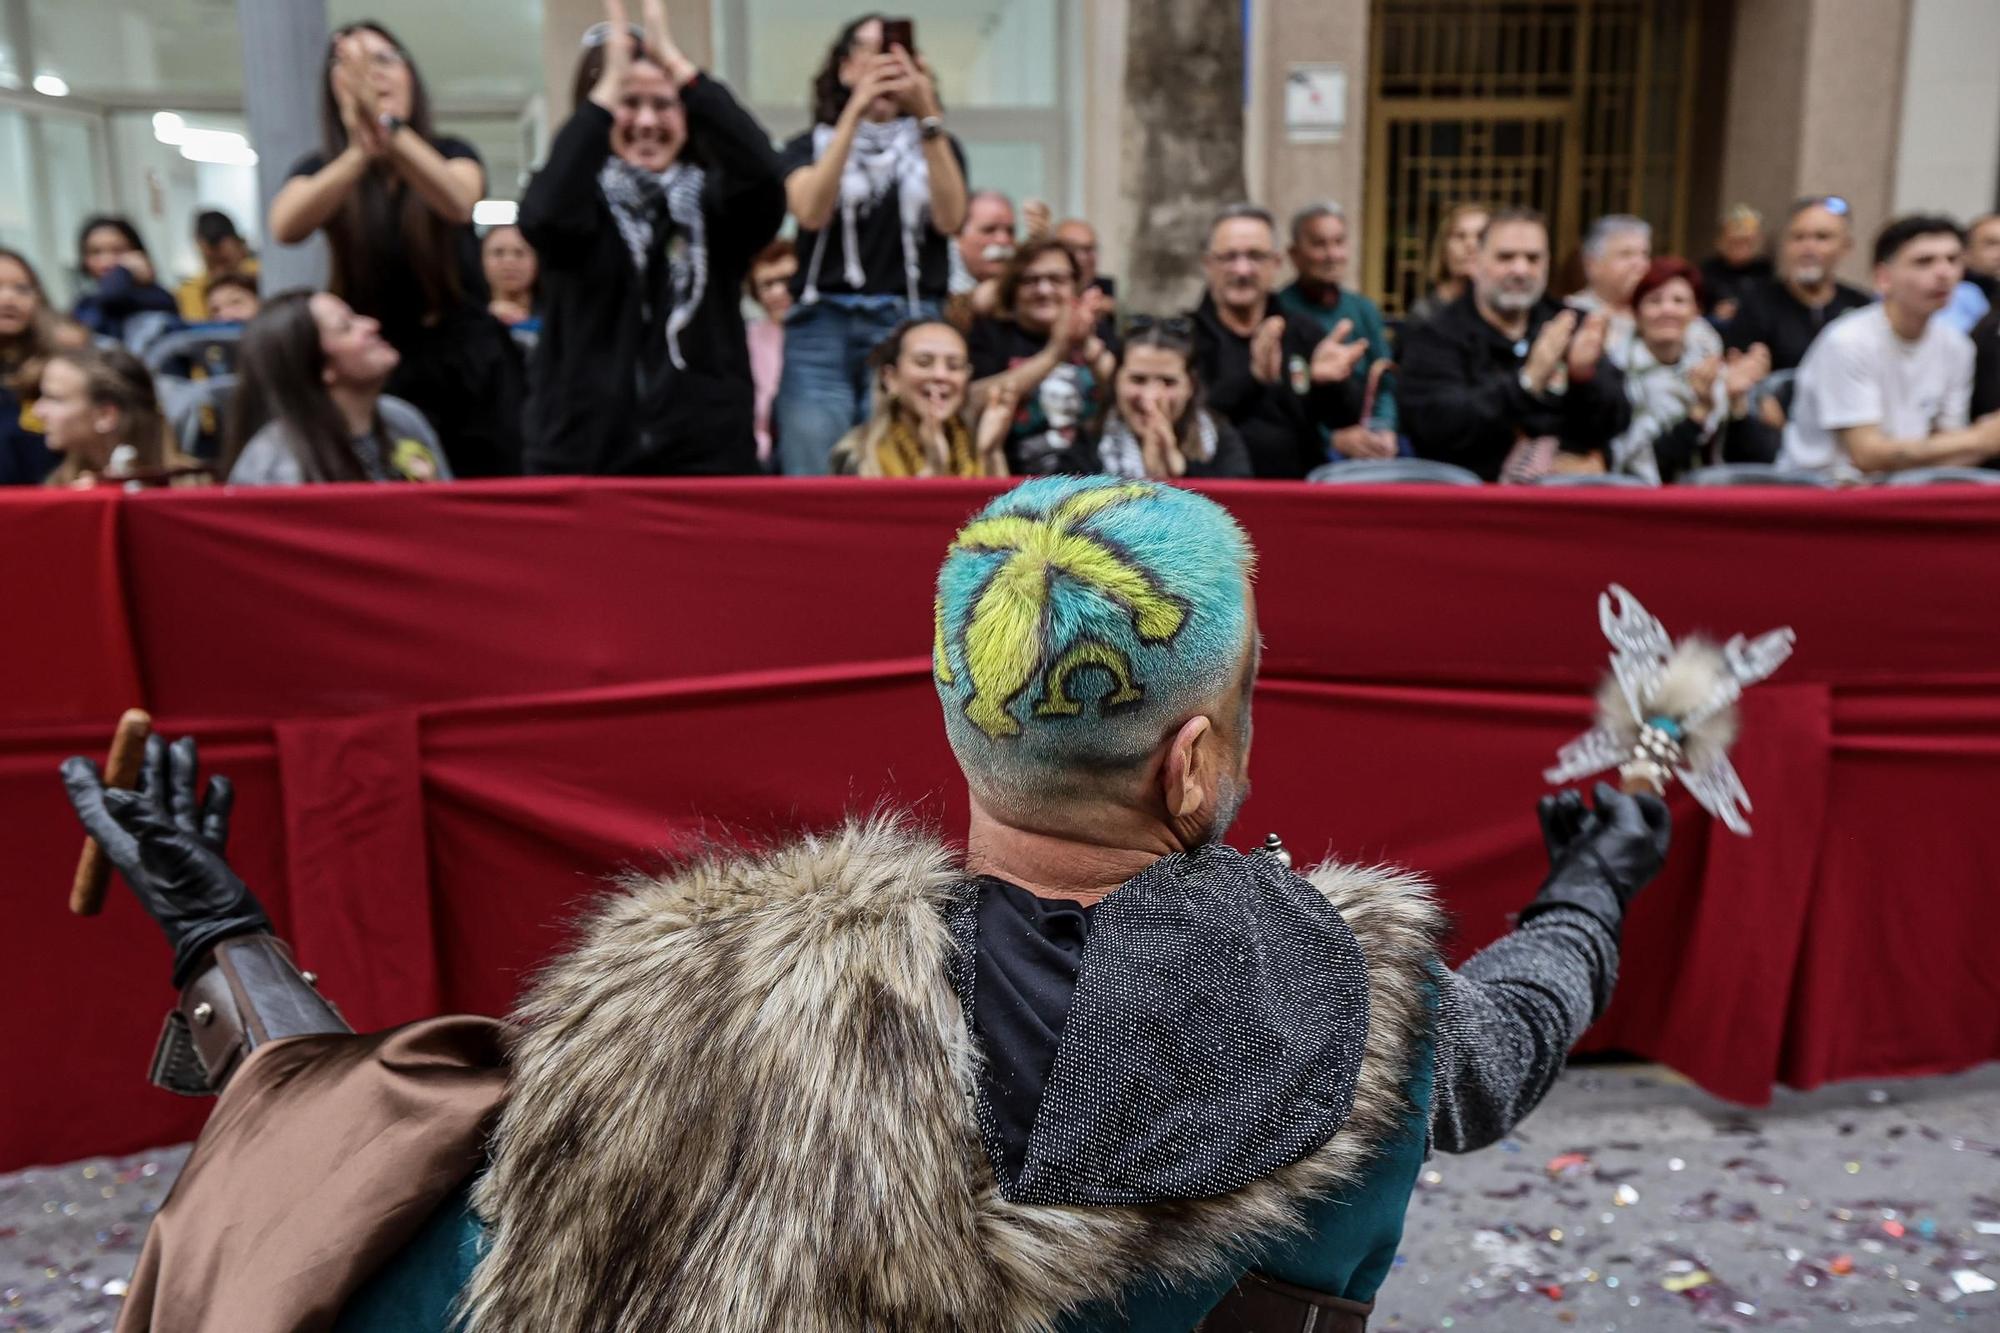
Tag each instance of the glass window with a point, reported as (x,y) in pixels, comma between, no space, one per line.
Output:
(48,185)
(138,46)
(992,54)
(467,49)
(162,187)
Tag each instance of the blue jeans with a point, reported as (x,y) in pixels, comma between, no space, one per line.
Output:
(824,390)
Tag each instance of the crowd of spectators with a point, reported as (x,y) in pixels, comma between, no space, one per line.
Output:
(645,317)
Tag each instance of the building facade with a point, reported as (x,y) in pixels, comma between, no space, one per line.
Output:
(1671,109)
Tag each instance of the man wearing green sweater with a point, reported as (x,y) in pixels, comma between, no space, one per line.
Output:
(1319,257)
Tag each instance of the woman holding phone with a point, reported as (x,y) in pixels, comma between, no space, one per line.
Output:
(878,188)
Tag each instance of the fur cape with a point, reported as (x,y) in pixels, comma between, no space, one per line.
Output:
(744,1101)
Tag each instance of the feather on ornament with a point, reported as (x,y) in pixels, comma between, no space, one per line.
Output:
(1668,710)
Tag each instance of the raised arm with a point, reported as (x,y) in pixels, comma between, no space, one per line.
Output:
(812,192)
(1509,1015)
(304,203)
(450,185)
(239,988)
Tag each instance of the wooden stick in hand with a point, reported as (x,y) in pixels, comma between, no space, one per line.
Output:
(121,769)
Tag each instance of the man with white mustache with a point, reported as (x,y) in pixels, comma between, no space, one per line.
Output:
(1505,381)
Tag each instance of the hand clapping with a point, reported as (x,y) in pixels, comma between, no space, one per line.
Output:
(1334,359)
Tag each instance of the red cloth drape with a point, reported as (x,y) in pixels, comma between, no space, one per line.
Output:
(451,711)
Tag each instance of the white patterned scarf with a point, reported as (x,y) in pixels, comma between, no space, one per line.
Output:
(1120,454)
(639,199)
(885,155)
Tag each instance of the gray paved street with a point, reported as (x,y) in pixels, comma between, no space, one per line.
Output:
(1630,1202)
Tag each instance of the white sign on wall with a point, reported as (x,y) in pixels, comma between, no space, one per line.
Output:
(1315,103)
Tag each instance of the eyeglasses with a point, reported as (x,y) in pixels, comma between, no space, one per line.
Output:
(1228,257)
(1029,280)
(597,34)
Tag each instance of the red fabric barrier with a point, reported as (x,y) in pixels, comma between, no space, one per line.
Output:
(451,711)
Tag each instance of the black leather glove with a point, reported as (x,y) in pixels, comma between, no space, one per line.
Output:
(169,848)
(1599,859)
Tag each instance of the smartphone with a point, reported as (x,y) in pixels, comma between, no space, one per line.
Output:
(900,32)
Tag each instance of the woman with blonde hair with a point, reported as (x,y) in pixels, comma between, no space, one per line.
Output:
(103,418)
(1453,251)
(918,426)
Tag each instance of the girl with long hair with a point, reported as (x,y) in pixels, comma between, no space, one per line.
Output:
(657,193)
(27,340)
(1156,426)
(878,188)
(103,418)
(122,283)
(513,275)
(310,405)
(395,200)
(918,424)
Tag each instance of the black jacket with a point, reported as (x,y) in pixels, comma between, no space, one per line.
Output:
(1986,368)
(1771,315)
(604,397)
(1281,424)
(1461,400)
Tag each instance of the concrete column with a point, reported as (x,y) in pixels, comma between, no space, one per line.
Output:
(1285,175)
(1102,88)
(1815,105)
(1948,151)
(284,65)
(565,21)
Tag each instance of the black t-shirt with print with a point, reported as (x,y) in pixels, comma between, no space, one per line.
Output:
(878,233)
(1053,418)
(383,284)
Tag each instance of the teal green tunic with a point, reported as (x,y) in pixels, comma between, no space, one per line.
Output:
(1346,1249)
(1366,317)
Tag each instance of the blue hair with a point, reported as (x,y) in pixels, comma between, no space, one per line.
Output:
(1077,620)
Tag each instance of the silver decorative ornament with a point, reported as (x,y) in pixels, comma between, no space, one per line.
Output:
(1668,710)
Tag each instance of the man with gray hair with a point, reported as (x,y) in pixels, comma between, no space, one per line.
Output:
(1505,381)
(1617,250)
(1319,256)
(1284,383)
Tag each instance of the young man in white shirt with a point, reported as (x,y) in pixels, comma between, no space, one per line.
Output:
(1887,387)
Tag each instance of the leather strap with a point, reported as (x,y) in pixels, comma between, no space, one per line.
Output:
(1259,1304)
(248,995)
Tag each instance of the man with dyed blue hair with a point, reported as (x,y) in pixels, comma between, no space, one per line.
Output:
(1077,617)
(1099,1071)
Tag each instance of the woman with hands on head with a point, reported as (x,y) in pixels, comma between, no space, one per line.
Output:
(878,188)
(1156,425)
(918,426)
(1044,348)
(657,194)
(395,201)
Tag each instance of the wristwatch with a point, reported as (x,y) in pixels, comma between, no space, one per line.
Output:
(931,126)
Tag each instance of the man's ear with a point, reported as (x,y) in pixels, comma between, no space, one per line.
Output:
(1185,779)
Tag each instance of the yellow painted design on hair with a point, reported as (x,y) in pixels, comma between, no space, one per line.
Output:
(940,660)
(1092,654)
(1003,639)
